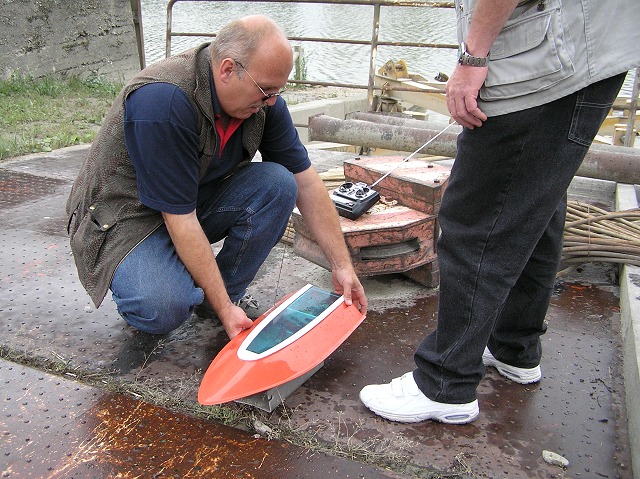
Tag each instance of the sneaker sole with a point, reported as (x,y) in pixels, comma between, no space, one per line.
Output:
(458,417)
(518,375)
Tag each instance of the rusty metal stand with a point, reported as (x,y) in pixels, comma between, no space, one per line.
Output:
(397,236)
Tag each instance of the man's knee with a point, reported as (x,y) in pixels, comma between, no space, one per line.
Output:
(158,313)
(280,181)
(156,318)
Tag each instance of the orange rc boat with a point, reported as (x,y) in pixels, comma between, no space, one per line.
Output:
(286,342)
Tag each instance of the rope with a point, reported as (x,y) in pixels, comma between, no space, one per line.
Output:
(594,234)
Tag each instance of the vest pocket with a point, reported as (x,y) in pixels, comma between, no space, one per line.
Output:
(532,53)
(88,239)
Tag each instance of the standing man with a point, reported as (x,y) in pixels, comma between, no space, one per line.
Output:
(534,81)
(170,173)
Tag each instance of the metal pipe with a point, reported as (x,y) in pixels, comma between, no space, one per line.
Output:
(604,162)
(613,163)
(393,119)
(388,3)
(359,87)
(326,83)
(346,41)
(375,135)
(168,34)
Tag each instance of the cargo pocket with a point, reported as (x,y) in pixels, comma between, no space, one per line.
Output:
(88,239)
(532,53)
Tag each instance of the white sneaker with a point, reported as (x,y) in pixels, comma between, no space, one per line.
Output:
(402,401)
(519,375)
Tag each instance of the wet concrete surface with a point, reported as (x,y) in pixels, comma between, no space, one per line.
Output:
(577,410)
(56,428)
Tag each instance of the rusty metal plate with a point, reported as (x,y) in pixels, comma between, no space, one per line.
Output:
(17,188)
(55,428)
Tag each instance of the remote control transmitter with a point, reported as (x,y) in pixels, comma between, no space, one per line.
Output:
(352,200)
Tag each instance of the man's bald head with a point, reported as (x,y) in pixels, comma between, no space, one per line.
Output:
(243,38)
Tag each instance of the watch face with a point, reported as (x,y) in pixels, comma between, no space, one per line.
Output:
(462,51)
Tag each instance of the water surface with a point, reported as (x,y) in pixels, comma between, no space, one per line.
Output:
(324,61)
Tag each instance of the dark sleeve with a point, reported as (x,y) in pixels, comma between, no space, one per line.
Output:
(160,130)
(280,141)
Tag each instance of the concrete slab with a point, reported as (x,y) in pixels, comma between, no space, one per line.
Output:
(46,319)
(626,199)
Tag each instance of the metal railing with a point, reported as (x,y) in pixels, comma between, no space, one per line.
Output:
(374,42)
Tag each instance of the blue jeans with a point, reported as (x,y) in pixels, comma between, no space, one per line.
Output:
(502,220)
(250,210)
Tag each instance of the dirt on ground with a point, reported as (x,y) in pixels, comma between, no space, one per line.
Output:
(304,93)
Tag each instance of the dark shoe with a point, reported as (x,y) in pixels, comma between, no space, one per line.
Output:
(250,305)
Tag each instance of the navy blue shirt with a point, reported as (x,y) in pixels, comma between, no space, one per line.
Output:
(160,130)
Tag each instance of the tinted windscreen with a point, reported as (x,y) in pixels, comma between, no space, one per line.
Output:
(292,319)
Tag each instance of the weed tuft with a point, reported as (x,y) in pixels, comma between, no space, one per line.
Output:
(44,114)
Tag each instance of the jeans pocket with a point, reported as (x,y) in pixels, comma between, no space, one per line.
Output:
(593,104)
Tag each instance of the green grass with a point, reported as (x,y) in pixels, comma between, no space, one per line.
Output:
(43,114)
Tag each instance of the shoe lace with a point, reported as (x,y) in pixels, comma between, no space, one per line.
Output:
(248,301)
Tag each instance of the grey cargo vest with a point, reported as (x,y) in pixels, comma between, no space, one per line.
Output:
(105,217)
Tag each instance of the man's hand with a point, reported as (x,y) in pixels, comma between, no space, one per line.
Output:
(462,95)
(320,215)
(346,282)
(195,252)
(488,19)
(234,320)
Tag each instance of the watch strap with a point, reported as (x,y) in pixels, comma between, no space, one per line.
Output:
(464,58)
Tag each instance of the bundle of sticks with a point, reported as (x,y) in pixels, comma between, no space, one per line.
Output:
(593,234)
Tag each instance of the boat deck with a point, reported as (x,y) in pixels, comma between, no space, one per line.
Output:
(84,395)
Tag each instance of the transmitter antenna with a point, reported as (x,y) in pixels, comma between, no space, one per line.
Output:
(412,154)
(352,200)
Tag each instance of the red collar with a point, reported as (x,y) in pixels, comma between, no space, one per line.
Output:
(225,134)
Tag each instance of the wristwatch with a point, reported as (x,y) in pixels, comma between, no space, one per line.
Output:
(465,59)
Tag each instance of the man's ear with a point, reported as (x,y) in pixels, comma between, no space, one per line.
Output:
(226,69)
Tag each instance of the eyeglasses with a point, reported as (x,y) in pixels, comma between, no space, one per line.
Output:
(266,96)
